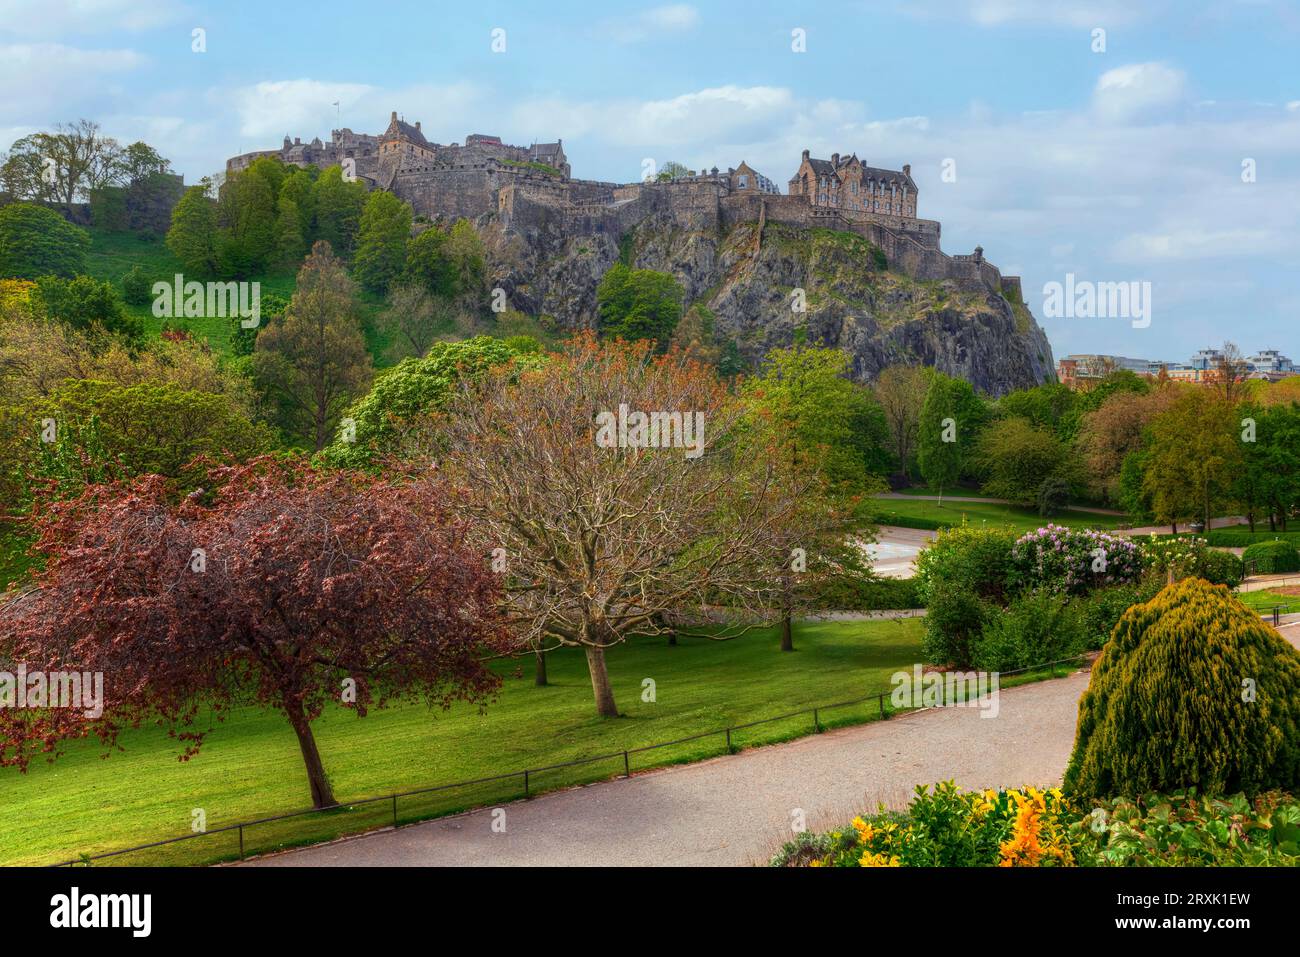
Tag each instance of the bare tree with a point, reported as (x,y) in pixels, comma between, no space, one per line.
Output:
(900,390)
(1230,372)
(606,526)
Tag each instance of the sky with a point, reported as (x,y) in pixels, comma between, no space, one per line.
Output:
(1137,141)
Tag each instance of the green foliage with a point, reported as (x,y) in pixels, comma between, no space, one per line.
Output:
(381,241)
(1038,626)
(137,287)
(952,417)
(36,241)
(853,593)
(193,235)
(954,621)
(158,429)
(638,304)
(1046,406)
(246,218)
(429,263)
(1270,558)
(404,396)
(1185,557)
(1020,460)
(87,305)
(967,557)
(108,209)
(1100,610)
(243,340)
(338,209)
(1193,690)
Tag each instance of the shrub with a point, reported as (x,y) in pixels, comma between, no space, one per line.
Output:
(1270,558)
(955,618)
(1221,568)
(1071,560)
(1188,557)
(1242,538)
(1038,626)
(1026,827)
(35,241)
(969,557)
(136,287)
(1100,611)
(1193,690)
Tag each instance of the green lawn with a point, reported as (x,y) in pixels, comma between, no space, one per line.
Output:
(1263,601)
(250,766)
(927,514)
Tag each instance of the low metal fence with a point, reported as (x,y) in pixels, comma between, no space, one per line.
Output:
(526,776)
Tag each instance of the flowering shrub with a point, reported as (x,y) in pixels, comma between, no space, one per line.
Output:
(1185,557)
(1072,560)
(1029,827)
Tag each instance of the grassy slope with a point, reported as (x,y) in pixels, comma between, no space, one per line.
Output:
(1022,519)
(112,255)
(251,767)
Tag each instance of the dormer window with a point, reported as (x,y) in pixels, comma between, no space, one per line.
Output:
(743,181)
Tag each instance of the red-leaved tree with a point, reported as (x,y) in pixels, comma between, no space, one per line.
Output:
(283,585)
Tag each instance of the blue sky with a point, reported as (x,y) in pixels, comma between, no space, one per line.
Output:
(1122,165)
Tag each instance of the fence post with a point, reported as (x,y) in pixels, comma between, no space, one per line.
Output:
(525,782)
(817,725)
(241,842)
(394,810)
(728,740)
(882,706)
(627,770)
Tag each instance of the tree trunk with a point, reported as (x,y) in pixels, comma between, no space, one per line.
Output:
(940,495)
(321,793)
(787,634)
(605,706)
(1174,526)
(672,637)
(540,678)
(1250,517)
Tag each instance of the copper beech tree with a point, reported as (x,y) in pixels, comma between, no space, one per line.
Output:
(285,586)
(619,496)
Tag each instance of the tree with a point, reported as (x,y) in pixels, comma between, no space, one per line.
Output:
(605,531)
(813,417)
(35,241)
(338,209)
(313,362)
(900,390)
(1020,460)
(469,265)
(290,237)
(294,587)
(638,304)
(193,233)
(415,319)
(672,170)
(63,166)
(381,241)
(87,305)
(1268,478)
(1230,373)
(1233,724)
(246,219)
(1193,454)
(951,417)
(1108,434)
(429,264)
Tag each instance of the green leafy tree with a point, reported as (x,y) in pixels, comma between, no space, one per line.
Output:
(86,304)
(193,235)
(313,361)
(900,391)
(290,236)
(246,217)
(338,209)
(951,418)
(638,304)
(35,241)
(1192,458)
(429,264)
(1020,459)
(381,241)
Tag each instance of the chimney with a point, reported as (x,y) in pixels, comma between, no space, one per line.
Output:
(907,169)
(417,125)
(394,117)
(805,154)
(835,159)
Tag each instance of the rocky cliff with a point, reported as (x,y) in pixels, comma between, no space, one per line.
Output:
(748,284)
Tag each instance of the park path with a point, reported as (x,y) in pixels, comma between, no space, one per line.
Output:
(737,809)
(989,501)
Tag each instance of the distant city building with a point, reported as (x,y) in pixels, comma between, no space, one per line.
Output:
(1077,370)
(1270,360)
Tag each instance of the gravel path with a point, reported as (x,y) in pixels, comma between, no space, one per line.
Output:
(737,809)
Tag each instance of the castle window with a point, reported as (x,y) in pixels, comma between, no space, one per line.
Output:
(743,182)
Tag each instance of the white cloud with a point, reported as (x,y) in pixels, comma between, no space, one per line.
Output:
(59,18)
(658,21)
(53,77)
(1127,92)
(1061,13)
(1195,242)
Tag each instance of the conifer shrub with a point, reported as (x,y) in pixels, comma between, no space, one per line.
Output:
(1192,691)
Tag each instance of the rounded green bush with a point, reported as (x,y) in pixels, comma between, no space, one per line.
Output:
(1192,690)
(1270,558)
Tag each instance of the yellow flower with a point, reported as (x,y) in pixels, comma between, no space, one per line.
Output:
(869,859)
